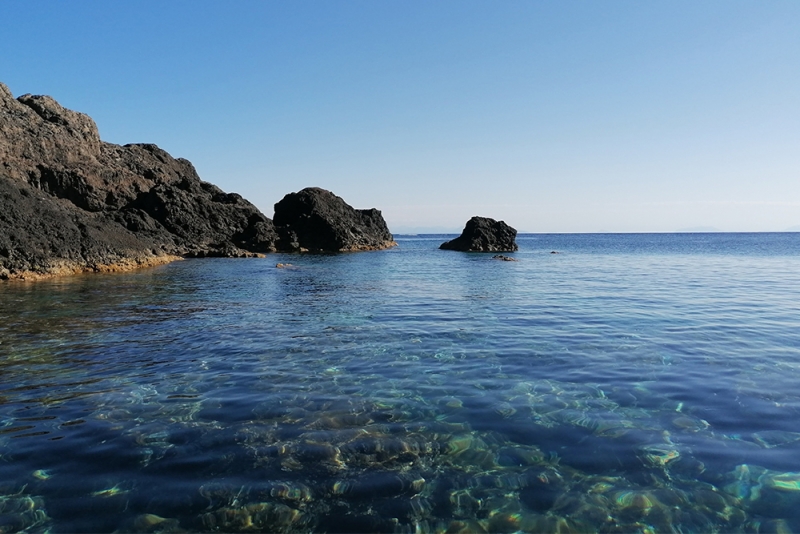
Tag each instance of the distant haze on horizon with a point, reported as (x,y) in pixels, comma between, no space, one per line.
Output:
(617,116)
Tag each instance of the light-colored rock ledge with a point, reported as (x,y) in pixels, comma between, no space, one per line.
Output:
(66,268)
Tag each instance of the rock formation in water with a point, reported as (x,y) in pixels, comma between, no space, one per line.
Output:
(70,202)
(482,234)
(316,220)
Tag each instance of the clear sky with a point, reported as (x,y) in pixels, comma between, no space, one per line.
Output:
(574,116)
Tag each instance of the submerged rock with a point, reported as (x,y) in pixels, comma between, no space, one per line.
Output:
(316,220)
(71,202)
(482,234)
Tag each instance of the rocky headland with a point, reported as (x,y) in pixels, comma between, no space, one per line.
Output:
(482,234)
(70,202)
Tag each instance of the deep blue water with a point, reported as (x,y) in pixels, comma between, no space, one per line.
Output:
(628,383)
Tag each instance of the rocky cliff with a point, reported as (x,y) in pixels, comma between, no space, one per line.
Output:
(70,202)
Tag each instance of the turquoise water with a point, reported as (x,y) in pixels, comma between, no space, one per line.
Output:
(629,383)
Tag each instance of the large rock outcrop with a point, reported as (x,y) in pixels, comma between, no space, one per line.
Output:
(482,234)
(70,202)
(316,220)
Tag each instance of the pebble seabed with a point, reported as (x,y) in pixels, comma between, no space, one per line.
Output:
(399,465)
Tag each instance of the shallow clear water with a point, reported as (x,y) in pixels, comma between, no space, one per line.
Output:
(629,383)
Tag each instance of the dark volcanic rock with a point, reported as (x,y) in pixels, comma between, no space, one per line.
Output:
(71,202)
(316,220)
(40,235)
(482,234)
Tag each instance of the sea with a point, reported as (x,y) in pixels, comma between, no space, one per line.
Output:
(597,383)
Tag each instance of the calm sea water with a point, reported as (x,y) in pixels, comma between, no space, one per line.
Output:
(629,383)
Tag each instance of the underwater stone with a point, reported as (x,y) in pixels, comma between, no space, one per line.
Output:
(375,484)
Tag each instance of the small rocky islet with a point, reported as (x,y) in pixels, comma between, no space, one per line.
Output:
(316,220)
(482,234)
(70,202)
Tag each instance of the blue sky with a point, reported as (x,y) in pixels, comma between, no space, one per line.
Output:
(576,116)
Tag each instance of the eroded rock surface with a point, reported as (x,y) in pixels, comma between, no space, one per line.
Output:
(482,234)
(316,220)
(70,202)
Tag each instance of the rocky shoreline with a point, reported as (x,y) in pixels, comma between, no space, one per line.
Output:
(67,268)
(70,202)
